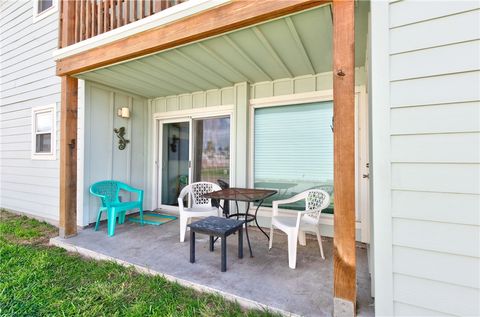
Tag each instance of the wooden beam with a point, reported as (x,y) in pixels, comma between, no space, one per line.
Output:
(219,20)
(68,157)
(344,158)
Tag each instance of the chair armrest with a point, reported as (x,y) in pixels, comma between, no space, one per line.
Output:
(182,195)
(131,189)
(293,199)
(98,195)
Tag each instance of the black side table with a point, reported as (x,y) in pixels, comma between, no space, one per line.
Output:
(217,227)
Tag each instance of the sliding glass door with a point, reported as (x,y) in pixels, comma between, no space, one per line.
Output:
(212,149)
(192,151)
(175,158)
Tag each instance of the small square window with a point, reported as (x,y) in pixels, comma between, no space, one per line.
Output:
(44,5)
(43,133)
(43,8)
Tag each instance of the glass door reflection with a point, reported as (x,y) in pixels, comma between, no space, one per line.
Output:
(212,149)
(175,160)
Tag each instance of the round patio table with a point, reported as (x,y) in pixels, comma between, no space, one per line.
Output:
(248,195)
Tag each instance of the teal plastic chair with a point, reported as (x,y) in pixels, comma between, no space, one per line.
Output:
(108,192)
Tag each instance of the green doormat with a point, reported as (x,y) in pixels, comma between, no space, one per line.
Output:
(152,218)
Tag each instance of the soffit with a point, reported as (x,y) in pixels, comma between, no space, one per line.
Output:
(295,45)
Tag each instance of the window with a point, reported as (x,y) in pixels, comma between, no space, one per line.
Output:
(293,150)
(43,133)
(43,8)
(44,5)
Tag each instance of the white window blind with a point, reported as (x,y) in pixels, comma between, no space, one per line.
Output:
(293,148)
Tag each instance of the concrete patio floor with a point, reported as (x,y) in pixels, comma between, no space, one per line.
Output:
(262,281)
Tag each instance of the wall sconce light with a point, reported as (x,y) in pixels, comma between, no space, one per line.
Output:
(123,112)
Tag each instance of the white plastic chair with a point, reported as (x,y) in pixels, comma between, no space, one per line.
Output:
(306,221)
(200,207)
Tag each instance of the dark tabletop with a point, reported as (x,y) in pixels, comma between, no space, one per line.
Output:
(241,194)
(216,225)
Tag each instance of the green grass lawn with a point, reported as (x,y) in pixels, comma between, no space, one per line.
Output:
(40,280)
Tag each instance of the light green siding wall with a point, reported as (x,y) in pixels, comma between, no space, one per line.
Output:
(301,84)
(239,96)
(226,96)
(102,157)
(199,99)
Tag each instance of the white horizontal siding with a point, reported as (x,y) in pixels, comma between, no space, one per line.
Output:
(449,118)
(434,156)
(434,206)
(402,309)
(407,12)
(437,236)
(27,77)
(446,178)
(445,30)
(447,298)
(418,63)
(439,148)
(452,88)
(417,262)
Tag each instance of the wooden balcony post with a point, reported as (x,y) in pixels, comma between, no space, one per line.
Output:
(67,23)
(344,157)
(68,157)
(68,131)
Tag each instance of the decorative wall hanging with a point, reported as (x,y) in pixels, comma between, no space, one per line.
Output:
(122,142)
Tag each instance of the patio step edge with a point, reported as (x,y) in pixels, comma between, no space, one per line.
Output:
(242,301)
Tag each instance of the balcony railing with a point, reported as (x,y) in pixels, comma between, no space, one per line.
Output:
(94,17)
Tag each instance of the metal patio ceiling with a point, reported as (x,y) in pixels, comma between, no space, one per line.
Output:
(291,46)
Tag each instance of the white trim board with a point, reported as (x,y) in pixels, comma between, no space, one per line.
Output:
(172,14)
(380,158)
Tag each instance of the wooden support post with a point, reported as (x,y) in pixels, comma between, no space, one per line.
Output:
(344,157)
(68,132)
(68,157)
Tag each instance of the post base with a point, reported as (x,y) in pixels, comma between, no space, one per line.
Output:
(62,234)
(343,308)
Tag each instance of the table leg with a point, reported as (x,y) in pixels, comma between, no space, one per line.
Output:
(256,222)
(240,243)
(238,210)
(246,230)
(248,239)
(212,241)
(224,254)
(192,246)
